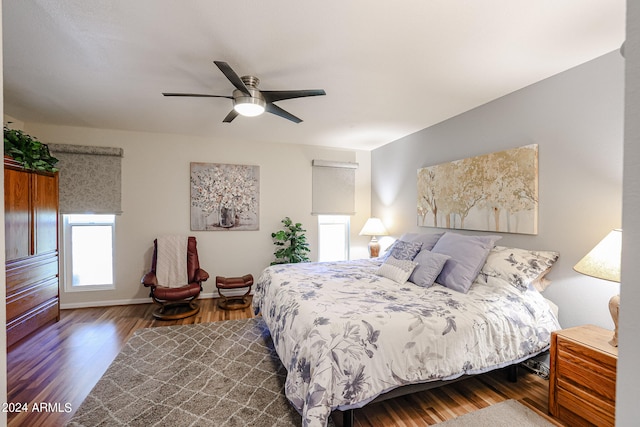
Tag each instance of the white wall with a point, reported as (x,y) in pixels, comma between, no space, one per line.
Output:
(155,190)
(628,385)
(576,118)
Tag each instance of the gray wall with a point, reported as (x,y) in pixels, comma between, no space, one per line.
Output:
(576,118)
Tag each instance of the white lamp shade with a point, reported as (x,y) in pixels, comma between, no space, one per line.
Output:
(373,227)
(603,261)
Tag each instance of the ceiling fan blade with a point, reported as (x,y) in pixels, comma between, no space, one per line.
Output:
(274,109)
(232,115)
(279,95)
(232,76)
(197,95)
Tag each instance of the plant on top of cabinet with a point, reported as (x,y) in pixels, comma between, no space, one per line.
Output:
(28,151)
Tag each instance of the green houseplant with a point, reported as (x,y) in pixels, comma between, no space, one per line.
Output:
(28,151)
(291,243)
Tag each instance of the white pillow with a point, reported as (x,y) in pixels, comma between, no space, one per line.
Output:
(396,269)
(541,283)
(520,267)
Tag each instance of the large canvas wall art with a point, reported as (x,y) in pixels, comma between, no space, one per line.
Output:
(492,192)
(225,197)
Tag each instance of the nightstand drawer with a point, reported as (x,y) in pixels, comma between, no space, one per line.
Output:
(574,373)
(590,358)
(599,414)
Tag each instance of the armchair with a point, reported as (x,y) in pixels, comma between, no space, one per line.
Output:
(176,302)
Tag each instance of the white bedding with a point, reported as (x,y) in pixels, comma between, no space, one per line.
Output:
(346,335)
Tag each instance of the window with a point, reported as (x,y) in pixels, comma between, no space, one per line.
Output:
(88,252)
(333,237)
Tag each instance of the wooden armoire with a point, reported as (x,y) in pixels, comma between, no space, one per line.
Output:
(31,249)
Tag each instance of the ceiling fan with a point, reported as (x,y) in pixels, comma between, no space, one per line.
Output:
(250,101)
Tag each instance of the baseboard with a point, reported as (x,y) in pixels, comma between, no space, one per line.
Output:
(108,303)
(104,303)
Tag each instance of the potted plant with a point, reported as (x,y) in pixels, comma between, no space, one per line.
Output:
(291,243)
(28,151)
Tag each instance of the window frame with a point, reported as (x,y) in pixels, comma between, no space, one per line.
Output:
(66,264)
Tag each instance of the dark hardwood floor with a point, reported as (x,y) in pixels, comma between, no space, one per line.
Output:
(58,366)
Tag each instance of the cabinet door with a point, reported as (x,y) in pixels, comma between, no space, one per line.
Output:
(17,225)
(45,213)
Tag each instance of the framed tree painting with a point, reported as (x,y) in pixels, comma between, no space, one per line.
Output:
(224,197)
(492,192)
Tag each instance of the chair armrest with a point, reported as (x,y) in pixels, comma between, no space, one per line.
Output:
(201,275)
(149,279)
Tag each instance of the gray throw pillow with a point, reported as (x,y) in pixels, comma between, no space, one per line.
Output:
(429,267)
(468,254)
(427,240)
(405,250)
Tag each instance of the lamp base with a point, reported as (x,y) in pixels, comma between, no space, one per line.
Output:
(614,309)
(374,248)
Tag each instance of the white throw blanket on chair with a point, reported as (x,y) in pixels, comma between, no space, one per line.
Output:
(171,262)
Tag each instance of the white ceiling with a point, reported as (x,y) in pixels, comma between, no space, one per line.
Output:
(389,68)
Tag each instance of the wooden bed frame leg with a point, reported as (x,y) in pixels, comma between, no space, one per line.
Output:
(347,418)
(512,373)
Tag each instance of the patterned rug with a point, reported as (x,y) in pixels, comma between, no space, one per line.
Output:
(211,374)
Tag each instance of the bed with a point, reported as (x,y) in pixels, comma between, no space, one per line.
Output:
(349,332)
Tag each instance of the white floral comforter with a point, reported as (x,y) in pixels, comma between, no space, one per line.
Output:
(346,335)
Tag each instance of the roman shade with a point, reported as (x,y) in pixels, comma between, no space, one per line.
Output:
(90,178)
(333,188)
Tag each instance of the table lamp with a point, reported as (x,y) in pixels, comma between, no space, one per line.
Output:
(374,227)
(603,262)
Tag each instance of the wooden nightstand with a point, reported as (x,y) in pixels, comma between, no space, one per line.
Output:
(582,380)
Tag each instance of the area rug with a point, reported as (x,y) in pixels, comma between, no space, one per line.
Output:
(504,414)
(211,374)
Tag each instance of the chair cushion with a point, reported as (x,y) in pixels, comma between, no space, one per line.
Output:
(234,282)
(176,294)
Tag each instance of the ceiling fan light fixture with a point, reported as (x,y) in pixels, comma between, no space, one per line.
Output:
(249,106)
(250,101)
